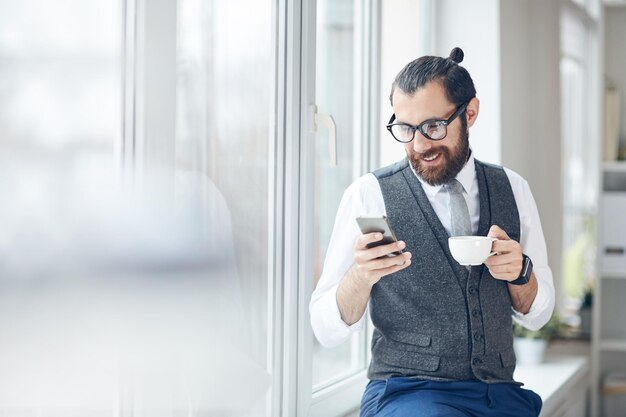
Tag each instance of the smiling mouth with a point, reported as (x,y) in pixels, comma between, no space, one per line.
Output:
(431,158)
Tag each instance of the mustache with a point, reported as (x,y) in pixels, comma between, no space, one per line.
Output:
(431,152)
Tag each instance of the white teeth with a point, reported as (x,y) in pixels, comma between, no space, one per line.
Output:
(431,158)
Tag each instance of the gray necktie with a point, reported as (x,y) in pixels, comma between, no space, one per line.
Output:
(459,213)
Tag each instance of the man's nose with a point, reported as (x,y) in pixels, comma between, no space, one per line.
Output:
(420,143)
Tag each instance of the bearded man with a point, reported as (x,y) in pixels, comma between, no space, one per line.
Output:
(442,342)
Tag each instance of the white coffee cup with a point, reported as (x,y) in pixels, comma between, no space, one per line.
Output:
(471,250)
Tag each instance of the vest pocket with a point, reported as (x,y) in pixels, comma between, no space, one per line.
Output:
(409,338)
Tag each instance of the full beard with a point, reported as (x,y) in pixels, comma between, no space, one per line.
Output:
(453,161)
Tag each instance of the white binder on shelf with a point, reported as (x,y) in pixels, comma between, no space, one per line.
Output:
(614,234)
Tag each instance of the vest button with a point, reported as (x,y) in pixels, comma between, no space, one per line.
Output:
(472,290)
(476,361)
(478,336)
(475,312)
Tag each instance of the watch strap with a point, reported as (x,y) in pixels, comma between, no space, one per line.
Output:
(527,269)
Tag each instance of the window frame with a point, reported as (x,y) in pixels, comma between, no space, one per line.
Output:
(343,395)
(148,130)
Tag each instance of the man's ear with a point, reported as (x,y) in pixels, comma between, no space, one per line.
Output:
(471,112)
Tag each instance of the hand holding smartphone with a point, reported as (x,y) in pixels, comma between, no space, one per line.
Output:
(378,224)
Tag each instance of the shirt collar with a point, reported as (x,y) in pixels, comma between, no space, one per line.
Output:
(465,177)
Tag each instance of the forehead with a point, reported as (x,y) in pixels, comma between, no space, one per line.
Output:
(428,102)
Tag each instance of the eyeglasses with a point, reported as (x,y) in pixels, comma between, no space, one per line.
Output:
(431,129)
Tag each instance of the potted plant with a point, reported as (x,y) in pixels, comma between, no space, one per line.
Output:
(530,345)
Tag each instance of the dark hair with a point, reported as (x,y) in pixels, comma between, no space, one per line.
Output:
(456,80)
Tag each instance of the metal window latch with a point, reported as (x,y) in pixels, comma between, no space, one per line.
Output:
(328,121)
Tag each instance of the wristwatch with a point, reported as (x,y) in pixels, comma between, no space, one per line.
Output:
(527,269)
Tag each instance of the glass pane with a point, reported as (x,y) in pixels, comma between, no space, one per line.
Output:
(60,95)
(60,69)
(335,89)
(224,104)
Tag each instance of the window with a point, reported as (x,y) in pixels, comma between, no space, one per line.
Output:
(60,78)
(356,59)
(218,92)
(224,103)
(337,70)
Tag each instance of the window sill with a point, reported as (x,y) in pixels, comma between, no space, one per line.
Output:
(558,380)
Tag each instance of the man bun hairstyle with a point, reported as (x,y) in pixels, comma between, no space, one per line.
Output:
(457,55)
(456,81)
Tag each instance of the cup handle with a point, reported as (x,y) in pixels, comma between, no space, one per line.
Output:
(493,239)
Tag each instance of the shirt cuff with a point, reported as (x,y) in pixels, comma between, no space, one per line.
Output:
(540,310)
(335,330)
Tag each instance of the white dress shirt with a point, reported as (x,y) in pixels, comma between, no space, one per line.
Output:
(364,198)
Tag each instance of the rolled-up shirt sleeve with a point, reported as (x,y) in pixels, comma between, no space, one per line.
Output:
(328,326)
(533,245)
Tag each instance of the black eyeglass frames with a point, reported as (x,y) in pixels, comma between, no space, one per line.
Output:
(433,129)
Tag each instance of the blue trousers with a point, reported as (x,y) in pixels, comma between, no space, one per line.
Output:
(408,397)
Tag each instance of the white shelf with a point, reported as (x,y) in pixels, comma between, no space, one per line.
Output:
(614,166)
(558,380)
(614,274)
(615,345)
(615,3)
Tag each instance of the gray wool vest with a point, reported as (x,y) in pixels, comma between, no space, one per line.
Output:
(432,321)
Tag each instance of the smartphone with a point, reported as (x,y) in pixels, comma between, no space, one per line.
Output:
(380,224)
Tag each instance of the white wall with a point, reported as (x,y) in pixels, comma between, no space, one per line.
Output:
(531,118)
